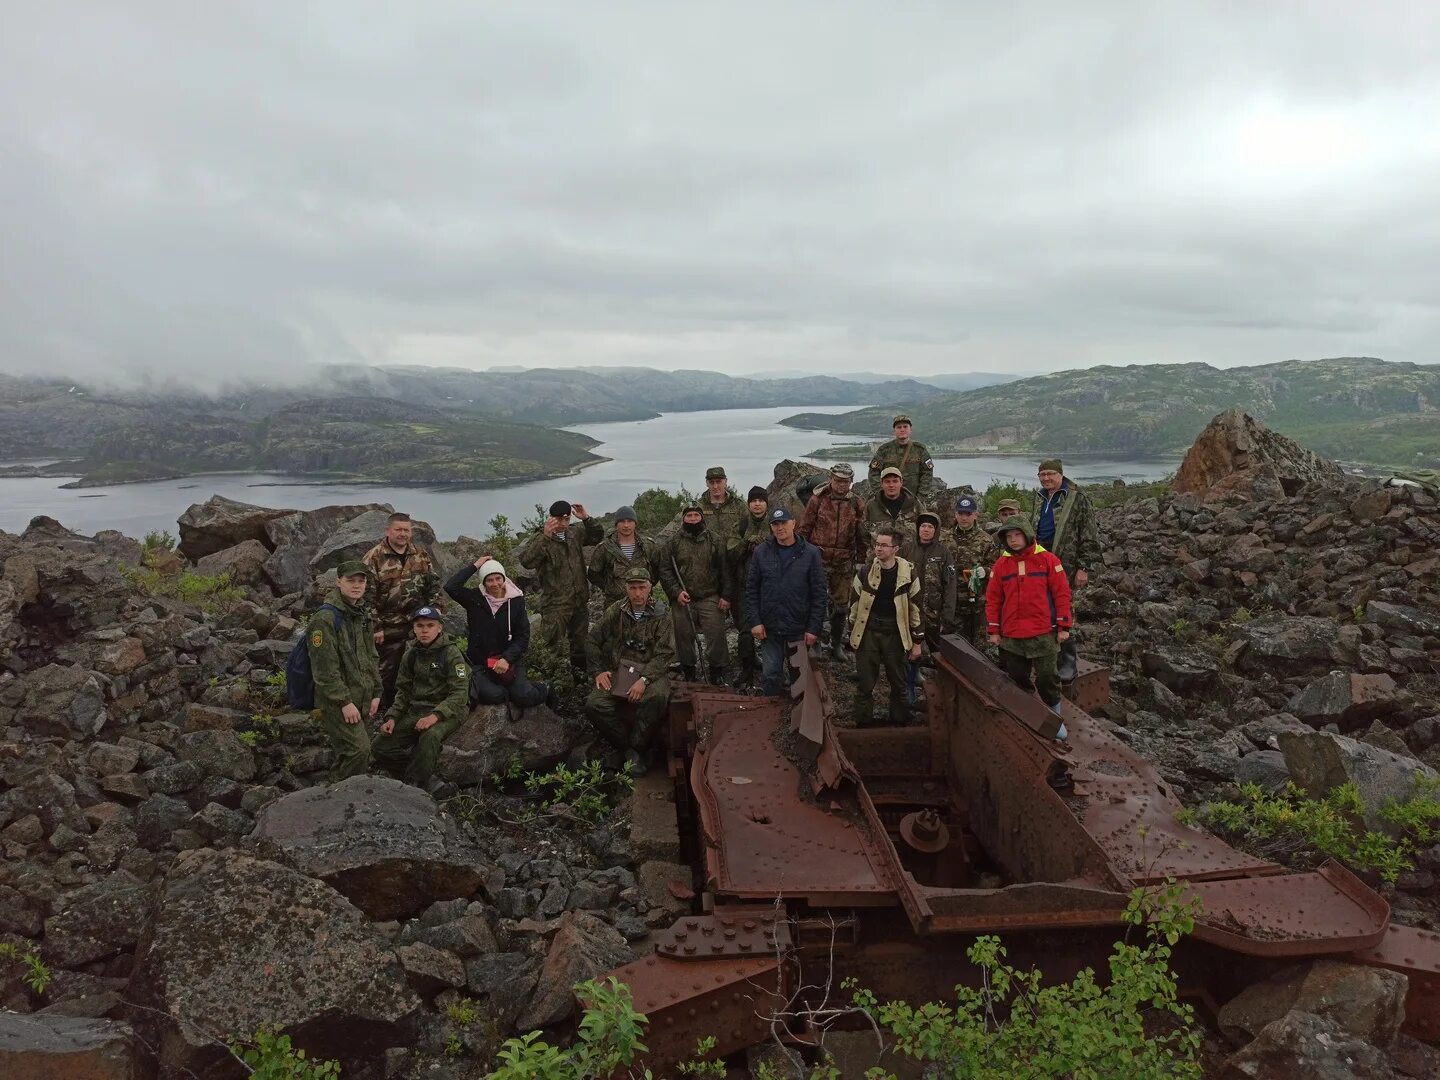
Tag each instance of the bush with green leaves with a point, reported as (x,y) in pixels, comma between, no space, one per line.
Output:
(158,540)
(655,507)
(35,973)
(1012,1026)
(1293,826)
(585,794)
(997,492)
(209,592)
(269,1056)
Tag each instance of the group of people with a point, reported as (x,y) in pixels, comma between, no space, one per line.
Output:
(883,576)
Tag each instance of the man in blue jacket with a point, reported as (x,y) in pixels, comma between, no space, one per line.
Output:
(785,595)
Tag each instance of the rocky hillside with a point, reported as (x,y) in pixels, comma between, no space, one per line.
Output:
(1353,409)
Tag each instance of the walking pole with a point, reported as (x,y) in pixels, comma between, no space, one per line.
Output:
(690,618)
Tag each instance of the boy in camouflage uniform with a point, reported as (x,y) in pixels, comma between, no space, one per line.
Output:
(974,551)
(403,578)
(917,469)
(609,563)
(697,572)
(346,669)
(432,699)
(557,555)
(632,633)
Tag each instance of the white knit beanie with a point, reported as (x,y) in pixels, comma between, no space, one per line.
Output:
(490,566)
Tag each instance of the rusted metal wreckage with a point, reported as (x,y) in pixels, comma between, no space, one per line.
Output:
(881,853)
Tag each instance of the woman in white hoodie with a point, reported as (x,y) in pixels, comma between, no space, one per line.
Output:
(499,636)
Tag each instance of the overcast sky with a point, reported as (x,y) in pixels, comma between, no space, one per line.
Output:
(221,188)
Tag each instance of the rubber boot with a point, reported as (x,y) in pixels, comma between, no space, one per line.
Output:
(688,670)
(1067,664)
(746,678)
(1063,733)
(719,676)
(837,639)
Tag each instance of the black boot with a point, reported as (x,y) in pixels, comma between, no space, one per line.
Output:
(1068,663)
(688,670)
(746,678)
(837,639)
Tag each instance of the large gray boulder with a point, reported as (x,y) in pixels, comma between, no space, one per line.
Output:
(1319,762)
(1365,1002)
(1303,1046)
(47,1046)
(384,844)
(1238,455)
(584,947)
(489,740)
(66,702)
(1421,622)
(1344,698)
(357,536)
(238,942)
(295,538)
(244,563)
(97,921)
(1294,644)
(220,523)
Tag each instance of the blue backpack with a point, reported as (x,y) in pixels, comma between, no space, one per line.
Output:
(299,679)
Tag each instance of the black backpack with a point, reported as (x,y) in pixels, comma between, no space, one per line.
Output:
(299,679)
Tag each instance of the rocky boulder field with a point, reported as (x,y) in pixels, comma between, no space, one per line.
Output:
(175,860)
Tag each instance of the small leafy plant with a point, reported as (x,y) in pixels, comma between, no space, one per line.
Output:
(269,1056)
(37,974)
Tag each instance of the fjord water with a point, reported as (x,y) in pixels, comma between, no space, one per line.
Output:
(670,450)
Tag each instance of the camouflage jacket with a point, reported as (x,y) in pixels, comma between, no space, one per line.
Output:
(878,516)
(836,525)
(647,642)
(608,564)
(723,522)
(560,564)
(398,585)
(701,562)
(912,459)
(1077,537)
(753,532)
(971,547)
(343,662)
(433,678)
(935,567)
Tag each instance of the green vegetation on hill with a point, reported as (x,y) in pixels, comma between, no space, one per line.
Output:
(1353,408)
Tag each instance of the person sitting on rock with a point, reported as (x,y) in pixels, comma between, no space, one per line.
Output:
(631,647)
(1027,608)
(346,669)
(432,692)
(498,637)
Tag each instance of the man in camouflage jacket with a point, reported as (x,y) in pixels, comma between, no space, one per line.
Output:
(917,470)
(834,521)
(432,700)
(934,564)
(608,562)
(974,550)
(402,578)
(345,668)
(557,555)
(697,572)
(754,531)
(893,507)
(1064,522)
(633,633)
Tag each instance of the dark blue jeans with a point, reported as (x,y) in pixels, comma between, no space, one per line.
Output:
(774,654)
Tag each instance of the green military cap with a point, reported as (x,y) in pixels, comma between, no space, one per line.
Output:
(901,419)
(890,470)
(351,568)
(1009,504)
(1051,464)
(637,573)
(715,472)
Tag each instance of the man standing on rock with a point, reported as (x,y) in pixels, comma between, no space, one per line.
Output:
(905,454)
(346,669)
(1064,522)
(432,699)
(631,650)
(612,559)
(894,508)
(696,571)
(834,521)
(887,628)
(974,551)
(785,593)
(557,556)
(403,578)
(754,531)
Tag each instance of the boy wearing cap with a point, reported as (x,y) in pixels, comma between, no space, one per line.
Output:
(622,549)
(834,521)
(557,555)
(631,648)
(346,669)
(974,552)
(904,453)
(1027,609)
(432,699)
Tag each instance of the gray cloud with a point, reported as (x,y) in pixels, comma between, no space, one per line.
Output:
(215,190)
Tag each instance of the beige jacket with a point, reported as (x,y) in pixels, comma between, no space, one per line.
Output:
(907,602)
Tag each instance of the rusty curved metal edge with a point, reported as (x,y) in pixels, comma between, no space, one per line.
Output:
(1415,954)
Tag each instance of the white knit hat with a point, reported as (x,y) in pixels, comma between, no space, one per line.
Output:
(490,566)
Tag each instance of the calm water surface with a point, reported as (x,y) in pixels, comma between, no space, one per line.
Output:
(670,450)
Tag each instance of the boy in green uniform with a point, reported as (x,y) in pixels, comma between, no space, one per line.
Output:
(346,669)
(432,698)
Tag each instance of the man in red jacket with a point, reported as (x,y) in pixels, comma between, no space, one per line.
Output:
(1027,606)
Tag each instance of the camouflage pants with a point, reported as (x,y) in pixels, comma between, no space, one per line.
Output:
(565,624)
(1018,656)
(970,624)
(351,742)
(701,617)
(410,755)
(839,576)
(628,725)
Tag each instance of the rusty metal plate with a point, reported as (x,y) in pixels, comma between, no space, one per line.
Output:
(729,998)
(763,838)
(1090,689)
(1329,910)
(982,673)
(1415,954)
(730,932)
(879,752)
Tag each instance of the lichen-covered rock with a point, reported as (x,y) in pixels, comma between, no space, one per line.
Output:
(488,741)
(238,942)
(583,948)
(295,538)
(1237,454)
(220,523)
(55,1047)
(1303,1046)
(1319,761)
(97,921)
(244,563)
(384,844)
(1365,1002)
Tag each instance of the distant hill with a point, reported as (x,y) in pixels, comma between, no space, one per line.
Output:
(971,380)
(1350,408)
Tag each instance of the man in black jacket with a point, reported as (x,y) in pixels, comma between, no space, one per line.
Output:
(498,630)
(785,596)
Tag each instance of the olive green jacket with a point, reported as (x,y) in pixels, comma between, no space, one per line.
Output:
(647,642)
(343,662)
(912,459)
(1077,541)
(608,565)
(560,564)
(697,564)
(433,678)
